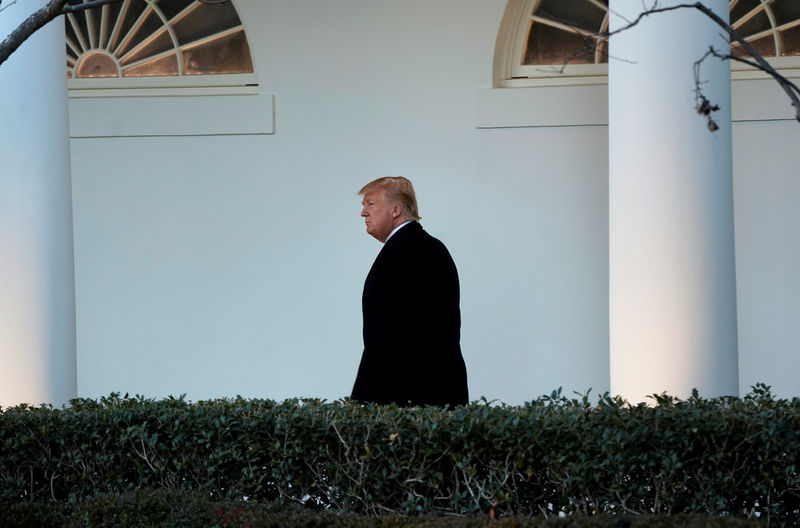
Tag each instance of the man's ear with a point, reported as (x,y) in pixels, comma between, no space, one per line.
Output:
(397,210)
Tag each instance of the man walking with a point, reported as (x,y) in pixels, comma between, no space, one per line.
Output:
(412,321)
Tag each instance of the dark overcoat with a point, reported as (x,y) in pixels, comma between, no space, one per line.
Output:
(412,325)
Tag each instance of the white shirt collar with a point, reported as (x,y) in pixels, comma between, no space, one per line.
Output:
(396,229)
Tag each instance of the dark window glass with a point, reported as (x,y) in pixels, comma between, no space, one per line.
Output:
(228,54)
(130,16)
(170,8)
(785,11)
(203,20)
(162,42)
(584,15)
(76,30)
(92,19)
(150,25)
(741,8)
(549,45)
(757,24)
(164,66)
(113,15)
(764,46)
(791,41)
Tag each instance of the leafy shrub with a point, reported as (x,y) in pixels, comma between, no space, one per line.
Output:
(145,508)
(44,514)
(722,456)
(189,509)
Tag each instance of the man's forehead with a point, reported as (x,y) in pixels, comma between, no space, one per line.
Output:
(374,195)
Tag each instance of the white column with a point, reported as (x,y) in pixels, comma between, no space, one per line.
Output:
(672,284)
(37,292)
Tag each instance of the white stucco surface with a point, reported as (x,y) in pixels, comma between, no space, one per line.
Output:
(224,265)
(767,203)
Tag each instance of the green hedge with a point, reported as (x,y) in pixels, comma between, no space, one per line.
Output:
(724,456)
(185,509)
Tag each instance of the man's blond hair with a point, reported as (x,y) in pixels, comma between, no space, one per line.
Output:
(396,189)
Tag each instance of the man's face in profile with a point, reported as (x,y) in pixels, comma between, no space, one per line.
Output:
(378,214)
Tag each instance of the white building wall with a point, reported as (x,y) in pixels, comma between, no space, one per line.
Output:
(233,264)
(224,265)
(767,204)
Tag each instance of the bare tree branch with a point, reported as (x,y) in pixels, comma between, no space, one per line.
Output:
(791,89)
(39,19)
(34,22)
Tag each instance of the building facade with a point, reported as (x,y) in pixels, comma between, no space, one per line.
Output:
(218,248)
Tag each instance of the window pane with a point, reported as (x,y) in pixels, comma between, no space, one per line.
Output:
(135,8)
(791,41)
(549,45)
(584,15)
(764,46)
(758,23)
(97,64)
(113,14)
(77,34)
(92,19)
(204,20)
(151,24)
(161,43)
(228,54)
(786,11)
(164,66)
(742,8)
(170,8)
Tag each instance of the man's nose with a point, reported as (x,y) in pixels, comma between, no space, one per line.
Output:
(364,211)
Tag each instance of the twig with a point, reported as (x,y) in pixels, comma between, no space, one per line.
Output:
(3,8)
(344,443)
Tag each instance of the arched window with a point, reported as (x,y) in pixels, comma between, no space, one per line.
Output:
(771,27)
(156,38)
(554,41)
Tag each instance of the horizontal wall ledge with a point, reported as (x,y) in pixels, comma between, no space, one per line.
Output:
(760,100)
(552,106)
(543,106)
(191,115)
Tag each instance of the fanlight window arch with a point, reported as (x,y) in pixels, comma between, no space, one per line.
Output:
(144,38)
(545,38)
